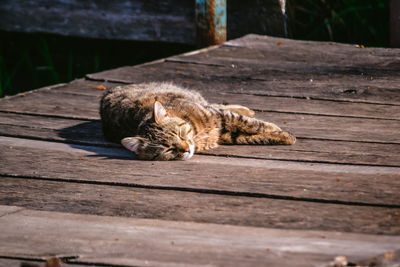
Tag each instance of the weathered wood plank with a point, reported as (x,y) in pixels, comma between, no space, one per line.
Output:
(198,207)
(336,128)
(341,87)
(41,102)
(276,74)
(136,19)
(316,184)
(128,20)
(56,129)
(322,151)
(308,106)
(317,57)
(361,73)
(54,104)
(127,241)
(313,57)
(307,150)
(327,49)
(217,94)
(346,184)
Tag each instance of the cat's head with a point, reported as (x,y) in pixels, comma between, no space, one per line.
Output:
(166,138)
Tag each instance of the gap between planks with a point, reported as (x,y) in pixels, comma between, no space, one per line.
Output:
(128,241)
(198,74)
(303,125)
(306,149)
(97,78)
(203,191)
(258,178)
(274,153)
(70,116)
(66,93)
(261,163)
(176,205)
(57,110)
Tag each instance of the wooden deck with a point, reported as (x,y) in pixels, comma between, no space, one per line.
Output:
(67,193)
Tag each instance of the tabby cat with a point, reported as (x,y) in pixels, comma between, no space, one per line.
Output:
(162,121)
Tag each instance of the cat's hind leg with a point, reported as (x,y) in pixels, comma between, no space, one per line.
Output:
(240,129)
(241,110)
(271,138)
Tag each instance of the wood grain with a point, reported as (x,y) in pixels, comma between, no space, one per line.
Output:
(126,241)
(341,102)
(136,19)
(259,178)
(54,104)
(197,207)
(126,20)
(217,93)
(264,76)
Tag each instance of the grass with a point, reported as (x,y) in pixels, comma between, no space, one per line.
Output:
(29,61)
(349,21)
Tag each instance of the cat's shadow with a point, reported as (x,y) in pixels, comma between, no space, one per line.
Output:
(88,136)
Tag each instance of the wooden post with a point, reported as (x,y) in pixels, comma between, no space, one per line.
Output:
(210,22)
(395,23)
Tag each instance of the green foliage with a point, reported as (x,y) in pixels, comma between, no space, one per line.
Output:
(29,61)
(349,21)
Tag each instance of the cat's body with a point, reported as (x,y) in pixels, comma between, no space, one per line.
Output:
(161,121)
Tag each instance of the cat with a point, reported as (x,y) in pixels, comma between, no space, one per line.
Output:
(162,121)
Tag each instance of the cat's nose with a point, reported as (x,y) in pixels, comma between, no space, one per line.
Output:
(185,147)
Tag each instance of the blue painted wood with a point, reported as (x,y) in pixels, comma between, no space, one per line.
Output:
(210,22)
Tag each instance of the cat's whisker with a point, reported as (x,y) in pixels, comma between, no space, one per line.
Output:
(194,137)
(203,137)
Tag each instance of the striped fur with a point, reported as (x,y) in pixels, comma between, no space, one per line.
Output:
(161,121)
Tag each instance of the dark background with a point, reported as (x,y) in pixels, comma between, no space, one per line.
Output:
(29,61)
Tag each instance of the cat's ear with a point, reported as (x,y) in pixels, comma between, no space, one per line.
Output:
(133,144)
(160,113)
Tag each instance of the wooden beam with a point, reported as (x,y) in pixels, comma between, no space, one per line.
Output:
(144,20)
(306,150)
(210,22)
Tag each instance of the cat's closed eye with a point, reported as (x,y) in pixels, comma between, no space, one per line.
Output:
(185,131)
(170,150)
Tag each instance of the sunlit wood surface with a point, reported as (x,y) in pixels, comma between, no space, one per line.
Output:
(66,193)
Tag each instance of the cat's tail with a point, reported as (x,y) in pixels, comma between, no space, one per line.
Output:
(266,138)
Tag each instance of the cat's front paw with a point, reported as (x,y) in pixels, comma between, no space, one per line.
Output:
(243,111)
(287,138)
